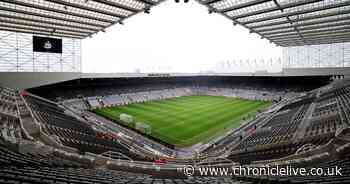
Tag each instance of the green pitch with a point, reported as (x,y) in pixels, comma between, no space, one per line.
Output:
(188,120)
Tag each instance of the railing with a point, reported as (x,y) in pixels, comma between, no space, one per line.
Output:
(116,155)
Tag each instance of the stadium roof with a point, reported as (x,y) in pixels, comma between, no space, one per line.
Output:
(68,18)
(283,22)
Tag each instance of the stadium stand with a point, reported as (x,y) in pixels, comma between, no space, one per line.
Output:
(49,135)
(302,129)
(72,132)
(102,87)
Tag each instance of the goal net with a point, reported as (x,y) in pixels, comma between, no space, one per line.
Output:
(126,118)
(143,127)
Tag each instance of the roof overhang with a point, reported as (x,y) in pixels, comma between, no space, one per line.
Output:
(289,23)
(283,22)
(66,18)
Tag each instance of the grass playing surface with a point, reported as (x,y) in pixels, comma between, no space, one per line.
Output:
(188,120)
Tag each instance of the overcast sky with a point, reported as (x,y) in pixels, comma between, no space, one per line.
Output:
(175,37)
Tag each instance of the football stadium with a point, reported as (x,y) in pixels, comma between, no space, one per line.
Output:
(225,113)
(234,122)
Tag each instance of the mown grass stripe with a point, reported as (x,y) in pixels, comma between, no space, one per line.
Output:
(187,120)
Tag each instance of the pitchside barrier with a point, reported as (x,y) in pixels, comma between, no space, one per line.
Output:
(179,142)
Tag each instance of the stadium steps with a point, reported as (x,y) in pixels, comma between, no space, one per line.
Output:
(304,123)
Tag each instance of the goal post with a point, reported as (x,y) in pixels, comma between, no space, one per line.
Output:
(126,118)
(143,127)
